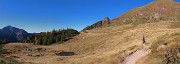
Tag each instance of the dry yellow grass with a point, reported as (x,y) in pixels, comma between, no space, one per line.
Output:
(165,45)
(98,46)
(160,10)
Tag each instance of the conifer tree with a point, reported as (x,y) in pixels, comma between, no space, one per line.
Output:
(47,38)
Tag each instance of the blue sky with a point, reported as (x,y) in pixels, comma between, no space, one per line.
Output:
(46,15)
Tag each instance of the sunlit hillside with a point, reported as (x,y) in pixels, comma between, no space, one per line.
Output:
(144,35)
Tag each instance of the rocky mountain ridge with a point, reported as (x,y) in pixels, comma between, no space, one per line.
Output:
(105,22)
(159,10)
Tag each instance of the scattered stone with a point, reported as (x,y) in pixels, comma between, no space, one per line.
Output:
(29,54)
(6,52)
(41,49)
(37,55)
(14,56)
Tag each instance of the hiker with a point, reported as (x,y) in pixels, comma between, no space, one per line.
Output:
(144,41)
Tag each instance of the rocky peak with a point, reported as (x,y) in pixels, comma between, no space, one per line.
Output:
(13,29)
(8,27)
(105,21)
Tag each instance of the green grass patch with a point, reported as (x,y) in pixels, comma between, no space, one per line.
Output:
(4,60)
(1,50)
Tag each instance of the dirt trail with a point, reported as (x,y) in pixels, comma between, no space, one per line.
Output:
(135,56)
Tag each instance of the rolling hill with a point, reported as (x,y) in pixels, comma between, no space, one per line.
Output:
(159,10)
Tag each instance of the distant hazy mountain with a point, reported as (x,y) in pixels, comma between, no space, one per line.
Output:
(13,34)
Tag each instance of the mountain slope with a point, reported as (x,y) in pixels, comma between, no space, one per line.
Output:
(160,10)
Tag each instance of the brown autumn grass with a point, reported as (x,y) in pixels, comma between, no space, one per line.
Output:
(98,46)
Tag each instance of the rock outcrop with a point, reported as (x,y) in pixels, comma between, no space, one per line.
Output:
(105,22)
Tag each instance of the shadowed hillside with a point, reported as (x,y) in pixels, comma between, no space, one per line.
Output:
(13,34)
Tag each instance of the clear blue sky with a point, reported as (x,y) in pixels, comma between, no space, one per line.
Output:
(46,15)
